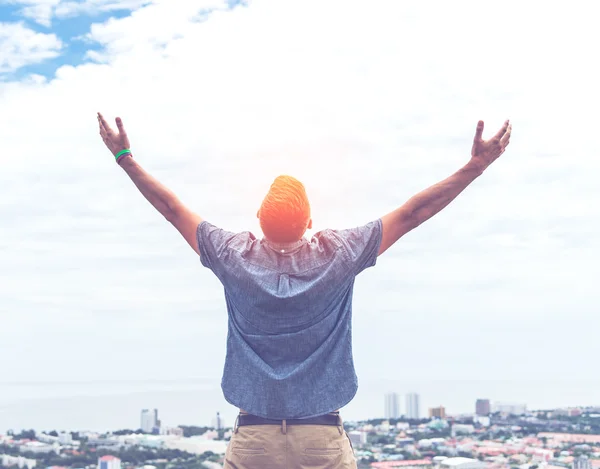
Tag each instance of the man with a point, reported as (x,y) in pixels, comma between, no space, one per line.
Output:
(289,365)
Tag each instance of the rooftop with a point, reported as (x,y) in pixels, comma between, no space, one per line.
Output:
(458,461)
(407,463)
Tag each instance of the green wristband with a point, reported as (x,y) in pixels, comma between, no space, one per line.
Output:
(121,153)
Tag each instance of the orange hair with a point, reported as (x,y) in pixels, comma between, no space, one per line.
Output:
(285,211)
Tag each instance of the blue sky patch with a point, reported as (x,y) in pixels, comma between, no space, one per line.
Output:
(9,13)
(74,50)
(68,30)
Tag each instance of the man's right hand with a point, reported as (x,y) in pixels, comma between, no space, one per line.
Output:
(485,152)
(161,198)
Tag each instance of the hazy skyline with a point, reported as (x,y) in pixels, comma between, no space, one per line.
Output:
(366,103)
(112,405)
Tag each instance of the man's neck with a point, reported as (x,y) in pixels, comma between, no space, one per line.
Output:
(284,246)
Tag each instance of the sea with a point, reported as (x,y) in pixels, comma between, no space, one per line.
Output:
(111,405)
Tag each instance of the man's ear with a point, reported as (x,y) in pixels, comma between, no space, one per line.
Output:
(309,224)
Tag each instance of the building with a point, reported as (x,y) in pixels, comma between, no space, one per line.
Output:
(403,441)
(462,463)
(212,465)
(38,447)
(176,431)
(392,406)
(197,445)
(109,462)
(218,422)
(462,429)
(358,438)
(413,410)
(582,462)
(511,409)
(21,462)
(149,421)
(483,407)
(483,421)
(407,464)
(105,443)
(45,438)
(437,412)
(563,438)
(569,412)
(438,424)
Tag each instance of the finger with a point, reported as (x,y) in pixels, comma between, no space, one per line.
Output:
(506,137)
(479,132)
(101,121)
(120,126)
(104,124)
(501,132)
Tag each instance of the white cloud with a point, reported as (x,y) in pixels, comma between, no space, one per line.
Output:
(367,103)
(21,46)
(40,11)
(70,8)
(43,11)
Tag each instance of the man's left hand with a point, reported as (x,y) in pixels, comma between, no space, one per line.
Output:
(114,141)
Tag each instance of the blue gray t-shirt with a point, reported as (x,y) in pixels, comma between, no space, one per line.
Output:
(289,341)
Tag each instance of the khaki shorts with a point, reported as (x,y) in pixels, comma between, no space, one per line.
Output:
(290,447)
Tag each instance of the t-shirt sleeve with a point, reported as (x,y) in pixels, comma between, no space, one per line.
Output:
(212,244)
(361,244)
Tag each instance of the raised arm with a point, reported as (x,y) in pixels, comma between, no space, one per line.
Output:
(427,203)
(161,198)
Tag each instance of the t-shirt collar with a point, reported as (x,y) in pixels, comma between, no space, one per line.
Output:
(284,247)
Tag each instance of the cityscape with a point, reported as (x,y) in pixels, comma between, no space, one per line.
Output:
(495,435)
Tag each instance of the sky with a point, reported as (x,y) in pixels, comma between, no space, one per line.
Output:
(366,102)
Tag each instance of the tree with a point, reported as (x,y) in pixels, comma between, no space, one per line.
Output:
(25,435)
(126,432)
(194,431)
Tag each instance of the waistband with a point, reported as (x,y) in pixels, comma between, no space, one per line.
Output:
(332,419)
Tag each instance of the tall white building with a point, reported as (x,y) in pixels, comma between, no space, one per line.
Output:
(413,409)
(392,406)
(109,462)
(149,420)
(218,422)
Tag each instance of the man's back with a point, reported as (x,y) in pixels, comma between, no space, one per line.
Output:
(289,350)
